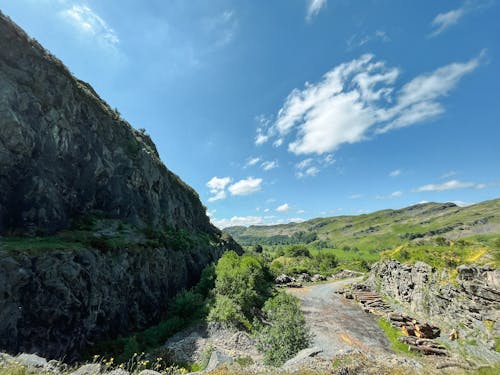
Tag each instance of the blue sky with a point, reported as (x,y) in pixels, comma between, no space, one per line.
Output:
(294,109)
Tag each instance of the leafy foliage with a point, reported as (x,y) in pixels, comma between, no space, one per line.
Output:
(286,333)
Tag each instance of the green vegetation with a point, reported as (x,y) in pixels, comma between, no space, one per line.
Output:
(392,335)
(414,233)
(285,334)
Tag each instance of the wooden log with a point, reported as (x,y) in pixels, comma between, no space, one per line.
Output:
(428,350)
(408,330)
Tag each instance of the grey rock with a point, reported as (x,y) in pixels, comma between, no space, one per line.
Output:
(216,359)
(301,356)
(284,279)
(31,360)
(65,153)
(118,371)
(303,278)
(318,277)
(149,372)
(88,369)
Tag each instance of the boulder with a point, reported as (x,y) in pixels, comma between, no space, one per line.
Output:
(284,279)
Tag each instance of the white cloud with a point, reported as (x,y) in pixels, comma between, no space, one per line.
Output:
(394,194)
(296,220)
(283,208)
(357,100)
(444,21)
(90,23)
(252,161)
(267,210)
(448,174)
(238,221)
(360,40)
(268,165)
(314,7)
(217,183)
(395,173)
(300,211)
(217,187)
(246,186)
(449,185)
(355,196)
(261,138)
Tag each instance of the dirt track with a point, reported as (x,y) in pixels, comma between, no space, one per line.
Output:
(338,324)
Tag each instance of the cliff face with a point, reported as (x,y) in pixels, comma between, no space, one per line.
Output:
(468,302)
(66,155)
(65,152)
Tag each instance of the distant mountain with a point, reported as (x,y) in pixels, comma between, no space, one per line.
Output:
(380,230)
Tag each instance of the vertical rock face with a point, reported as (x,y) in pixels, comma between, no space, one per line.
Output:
(470,300)
(65,152)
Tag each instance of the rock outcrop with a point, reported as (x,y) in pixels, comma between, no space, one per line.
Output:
(65,155)
(64,152)
(471,301)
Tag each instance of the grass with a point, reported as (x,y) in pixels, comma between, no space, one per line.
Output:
(392,335)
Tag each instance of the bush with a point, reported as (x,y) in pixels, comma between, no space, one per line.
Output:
(287,333)
(298,251)
(187,305)
(207,281)
(227,312)
(245,280)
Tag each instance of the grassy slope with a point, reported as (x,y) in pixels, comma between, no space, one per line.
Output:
(395,233)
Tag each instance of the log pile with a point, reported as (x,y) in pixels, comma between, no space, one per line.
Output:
(412,327)
(418,335)
(424,346)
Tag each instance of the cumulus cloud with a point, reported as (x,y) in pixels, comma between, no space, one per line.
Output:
(252,220)
(217,187)
(314,7)
(358,100)
(246,186)
(90,23)
(395,173)
(283,208)
(268,165)
(449,185)
(355,196)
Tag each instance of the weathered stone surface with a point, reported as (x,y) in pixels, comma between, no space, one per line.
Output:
(301,356)
(473,299)
(88,369)
(64,153)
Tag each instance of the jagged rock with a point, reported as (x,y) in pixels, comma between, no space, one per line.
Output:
(318,277)
(284,279)
(303,278)
(216,359)
(301,356)
(32,360)
(64,153)
(428,293)
(118,371)
(149,372)
(88,369)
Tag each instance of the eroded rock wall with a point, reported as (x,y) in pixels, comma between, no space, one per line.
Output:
(64,152)
(471,299)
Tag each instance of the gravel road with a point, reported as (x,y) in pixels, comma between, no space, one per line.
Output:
(337,324)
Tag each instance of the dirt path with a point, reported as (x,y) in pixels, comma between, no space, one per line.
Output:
(338,324)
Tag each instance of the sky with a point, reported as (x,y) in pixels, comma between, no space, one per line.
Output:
(286,110)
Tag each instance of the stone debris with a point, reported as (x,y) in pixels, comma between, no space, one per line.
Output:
(346,274)
(418,335)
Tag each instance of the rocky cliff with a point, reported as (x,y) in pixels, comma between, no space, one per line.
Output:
(466,299)
(66,156)
(64,152)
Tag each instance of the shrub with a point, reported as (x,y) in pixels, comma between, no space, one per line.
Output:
(207,281)
(187,304)
(287,333)
(245,280)
(226,311)
(298,251)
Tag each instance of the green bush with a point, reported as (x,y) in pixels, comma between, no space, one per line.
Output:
(287,332)
(228,312)
(245,280)
(187,304)
(207,281)
(298,251)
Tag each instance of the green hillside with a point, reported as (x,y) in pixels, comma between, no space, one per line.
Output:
(429,231)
